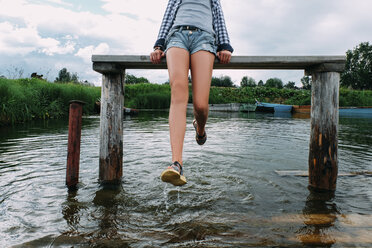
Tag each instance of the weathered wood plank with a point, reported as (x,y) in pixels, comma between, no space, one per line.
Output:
(111,128)
(323,161)
(105,63)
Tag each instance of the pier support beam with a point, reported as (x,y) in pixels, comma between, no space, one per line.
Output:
(323,160)
(111,127)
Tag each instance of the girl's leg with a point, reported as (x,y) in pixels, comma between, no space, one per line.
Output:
(201,73)
(178,61)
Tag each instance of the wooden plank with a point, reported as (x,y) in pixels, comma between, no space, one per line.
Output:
(102,63)
(111,128)
(323,160)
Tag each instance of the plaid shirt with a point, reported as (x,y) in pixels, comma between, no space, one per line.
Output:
(219,26)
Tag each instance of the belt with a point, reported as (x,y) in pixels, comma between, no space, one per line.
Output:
(191,28)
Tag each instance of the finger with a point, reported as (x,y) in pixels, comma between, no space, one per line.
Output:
(223,59)
(157,58)
(228,58)
(154,58)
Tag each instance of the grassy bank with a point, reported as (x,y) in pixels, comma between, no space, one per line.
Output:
(158,96)
(27,99)
(147,96)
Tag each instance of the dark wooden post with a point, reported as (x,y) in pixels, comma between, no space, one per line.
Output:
(323,160)
(74,136)
(111,127)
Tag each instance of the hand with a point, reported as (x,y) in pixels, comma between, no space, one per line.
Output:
(224,56)
(156,56)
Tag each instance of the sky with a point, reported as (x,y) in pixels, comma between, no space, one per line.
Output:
(45,36)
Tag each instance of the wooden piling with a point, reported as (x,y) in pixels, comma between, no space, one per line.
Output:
(74,136)
(111,127)
(323,160)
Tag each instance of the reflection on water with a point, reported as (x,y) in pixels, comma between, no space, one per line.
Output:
(233,197)
(320,213)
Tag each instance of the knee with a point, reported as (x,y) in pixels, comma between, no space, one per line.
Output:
(179,92)
(201,108)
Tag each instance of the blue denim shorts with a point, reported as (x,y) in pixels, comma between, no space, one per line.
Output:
(193,41)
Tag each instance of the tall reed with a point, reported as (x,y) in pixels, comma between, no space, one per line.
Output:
(26,99)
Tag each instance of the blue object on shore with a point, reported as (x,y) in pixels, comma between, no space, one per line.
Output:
(365,112)
(273,107)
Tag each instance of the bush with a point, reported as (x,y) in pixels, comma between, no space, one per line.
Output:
(152,100)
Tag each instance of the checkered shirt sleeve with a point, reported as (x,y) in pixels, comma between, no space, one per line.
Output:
(219,26)
(168,19)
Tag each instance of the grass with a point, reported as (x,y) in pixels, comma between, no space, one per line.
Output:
(27,99)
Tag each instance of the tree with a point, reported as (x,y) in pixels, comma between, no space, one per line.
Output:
(75,78)
(248,82)
(66,77)
(290,85)
(274,83)
(131,79)
(260,83)
(223,81)
(63,76)
(358,68)
(306,83)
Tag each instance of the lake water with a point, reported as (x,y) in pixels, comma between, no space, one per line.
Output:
(233,198)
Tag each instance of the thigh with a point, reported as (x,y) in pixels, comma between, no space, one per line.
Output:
(178,63)
(201,73)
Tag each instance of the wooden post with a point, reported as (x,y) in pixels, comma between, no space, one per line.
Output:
(323,163)
(74,135)
(111,127)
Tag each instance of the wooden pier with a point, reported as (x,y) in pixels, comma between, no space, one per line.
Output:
(325,72)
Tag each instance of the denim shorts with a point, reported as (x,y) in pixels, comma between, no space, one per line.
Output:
(191,40)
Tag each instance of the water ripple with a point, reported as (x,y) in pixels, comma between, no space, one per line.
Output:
(233,197)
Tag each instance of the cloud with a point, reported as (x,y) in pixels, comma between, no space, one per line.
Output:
(60,2)
(58,31)
(22,41)
(86,52)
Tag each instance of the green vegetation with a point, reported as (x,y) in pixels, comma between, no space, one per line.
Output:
(146,96)
(26,99)
(355,98)
(250,94)
(223,81)
(65,77)
(358,68)
(248,82)
(131,79)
